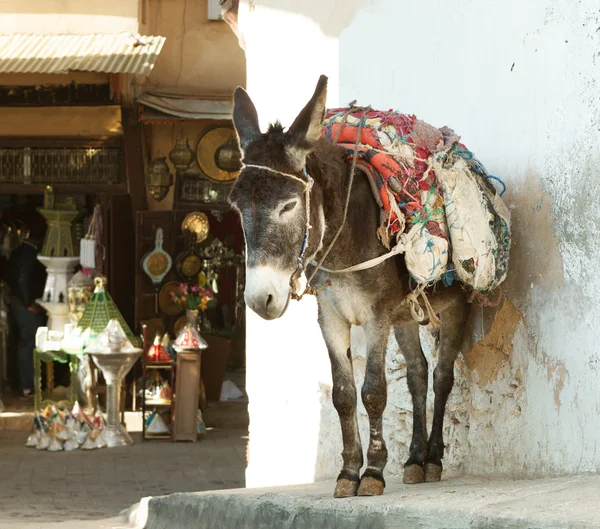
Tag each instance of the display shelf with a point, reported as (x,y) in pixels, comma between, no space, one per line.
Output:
(154,403)
(150,405)
(159,365)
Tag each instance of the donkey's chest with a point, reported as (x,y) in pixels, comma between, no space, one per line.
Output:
(353,305)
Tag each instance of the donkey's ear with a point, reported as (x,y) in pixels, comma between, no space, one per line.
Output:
(306,128)
(245,118)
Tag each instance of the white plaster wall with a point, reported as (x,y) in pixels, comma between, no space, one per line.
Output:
(287,363)
(519,82)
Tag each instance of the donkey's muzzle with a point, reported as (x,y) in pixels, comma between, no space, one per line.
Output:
(267,291)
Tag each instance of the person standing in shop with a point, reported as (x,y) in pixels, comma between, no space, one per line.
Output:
(26,278)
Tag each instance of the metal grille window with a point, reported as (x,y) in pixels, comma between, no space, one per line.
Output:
(65,165)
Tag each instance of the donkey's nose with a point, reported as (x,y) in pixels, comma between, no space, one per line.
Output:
(267,291)
(264,305)
(269,301)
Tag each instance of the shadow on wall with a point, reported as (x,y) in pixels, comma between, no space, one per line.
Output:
(486,411)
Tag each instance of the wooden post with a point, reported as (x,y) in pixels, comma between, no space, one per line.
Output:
(187,389)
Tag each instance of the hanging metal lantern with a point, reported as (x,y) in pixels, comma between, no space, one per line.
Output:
(181,155)
(228,156)
(158,178)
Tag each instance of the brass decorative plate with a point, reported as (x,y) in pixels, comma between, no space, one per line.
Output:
(197,223)
(165,302)
(218,154)
(190,265)
(157,264)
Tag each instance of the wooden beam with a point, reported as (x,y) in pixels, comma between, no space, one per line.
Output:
(63,189)
(134,160)
(102,121)
(55,142)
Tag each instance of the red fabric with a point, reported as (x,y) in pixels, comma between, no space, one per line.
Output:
(408,178)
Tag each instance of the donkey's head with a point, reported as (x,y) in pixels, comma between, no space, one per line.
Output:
(271,196)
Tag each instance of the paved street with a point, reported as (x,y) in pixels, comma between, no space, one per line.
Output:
(44,487)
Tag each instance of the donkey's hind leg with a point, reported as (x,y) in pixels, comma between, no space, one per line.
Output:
(374,397)
(336,333)
(417,378)
(448,342)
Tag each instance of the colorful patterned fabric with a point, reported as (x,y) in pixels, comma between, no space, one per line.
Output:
(398,153)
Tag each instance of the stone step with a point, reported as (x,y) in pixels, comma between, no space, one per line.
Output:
(19,421)
(465,503)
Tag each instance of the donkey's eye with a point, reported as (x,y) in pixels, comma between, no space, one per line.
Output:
(288,207)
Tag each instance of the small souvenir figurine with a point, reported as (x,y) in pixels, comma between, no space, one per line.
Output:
(166,343)
(157,353)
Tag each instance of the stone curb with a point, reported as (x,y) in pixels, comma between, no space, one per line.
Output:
(466,503)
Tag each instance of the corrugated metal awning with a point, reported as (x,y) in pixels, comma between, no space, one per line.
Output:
(59,54)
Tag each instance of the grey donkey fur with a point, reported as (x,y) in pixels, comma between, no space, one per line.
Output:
(273,216)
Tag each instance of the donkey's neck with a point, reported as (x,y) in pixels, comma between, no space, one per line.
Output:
(357,241)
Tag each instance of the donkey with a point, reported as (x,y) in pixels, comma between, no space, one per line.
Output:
(277,203)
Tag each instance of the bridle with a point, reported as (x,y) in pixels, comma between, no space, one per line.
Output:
(412,298)
(300,264)
(308,183)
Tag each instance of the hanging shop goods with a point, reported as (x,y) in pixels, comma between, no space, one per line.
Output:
(166,302)
(158,178)
(196,223)
(218,154)
(189,263)
(181,155)
(438,205)
(90,247)
(156,264)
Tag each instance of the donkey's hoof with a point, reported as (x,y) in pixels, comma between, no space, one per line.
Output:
(370,486)
(345,488)
(413,474)
(433,472)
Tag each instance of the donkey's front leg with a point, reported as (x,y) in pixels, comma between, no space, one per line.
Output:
(336,333)
(374,397)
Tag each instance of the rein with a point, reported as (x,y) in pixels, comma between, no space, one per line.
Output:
(412,298)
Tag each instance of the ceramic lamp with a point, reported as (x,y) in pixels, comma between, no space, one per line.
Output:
(59,258)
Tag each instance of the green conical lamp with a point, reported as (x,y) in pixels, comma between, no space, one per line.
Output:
(100,310)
